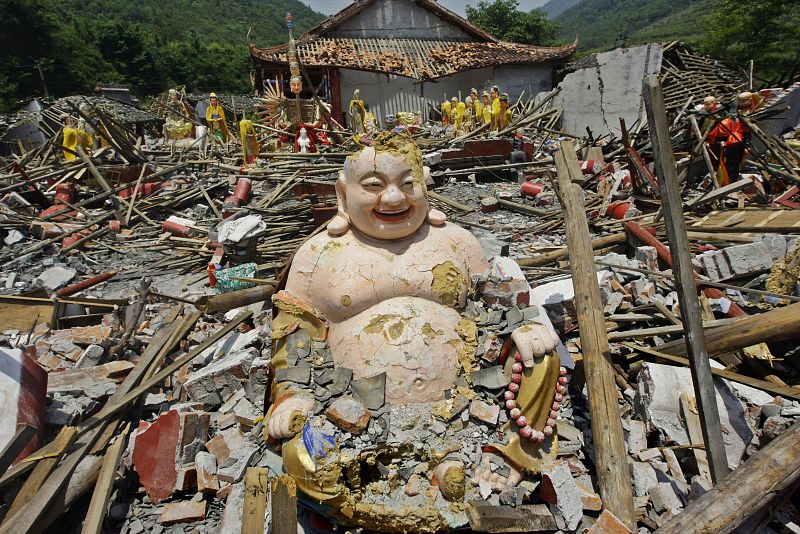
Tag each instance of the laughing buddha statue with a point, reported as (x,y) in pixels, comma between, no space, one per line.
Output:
(382,298)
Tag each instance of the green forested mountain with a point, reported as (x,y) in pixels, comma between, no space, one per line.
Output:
(554,8)
(735,31)
(606,24)
(147,44)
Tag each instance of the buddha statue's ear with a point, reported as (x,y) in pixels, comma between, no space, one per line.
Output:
(340,223)
(435,217)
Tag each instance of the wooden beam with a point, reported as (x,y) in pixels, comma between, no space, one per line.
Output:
(284,505)
(684,277)
(562,253)
(775,325)
(61,443)
(93,523)
(610,458)
(256,481)
(15,446)
(484,517)
(748,494)
(721,192)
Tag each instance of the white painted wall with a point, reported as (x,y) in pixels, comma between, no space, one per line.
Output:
(610,88)
(10,380)
(392,19)
(390,94)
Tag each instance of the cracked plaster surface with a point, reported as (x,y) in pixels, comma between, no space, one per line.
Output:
(392,305)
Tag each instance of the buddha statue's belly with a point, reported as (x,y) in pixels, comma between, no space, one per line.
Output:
(414,340)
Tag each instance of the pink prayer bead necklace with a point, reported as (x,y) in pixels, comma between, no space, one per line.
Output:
(525,429)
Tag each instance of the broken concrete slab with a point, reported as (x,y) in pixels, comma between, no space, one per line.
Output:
(493,377)
(89,379)
(484,412)
(748,258)
(56,277)
(635,435)
(664,498)
(598,95)
(559,489)
(371,391)
(644,477)
(217,382)
(224,442)
(657,402)
(233,468)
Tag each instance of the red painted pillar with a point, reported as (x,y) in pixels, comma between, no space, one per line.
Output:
(335,77)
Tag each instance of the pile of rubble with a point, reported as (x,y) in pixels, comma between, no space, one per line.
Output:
(137,346)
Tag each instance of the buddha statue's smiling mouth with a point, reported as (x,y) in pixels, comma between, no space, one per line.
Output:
(393,216)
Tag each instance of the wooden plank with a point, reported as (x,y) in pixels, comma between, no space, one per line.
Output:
(15,446)
(610,457)
(775,325)
(691,418)
(563,253)
(776,389)
(23,316)
(43,468)
(684,277)
(748,494)
(720,192)
(256,481)
(284,505)
(93,523)
(484,517)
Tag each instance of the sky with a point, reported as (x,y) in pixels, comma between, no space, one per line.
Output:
(329,7)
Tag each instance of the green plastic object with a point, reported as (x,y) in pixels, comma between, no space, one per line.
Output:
(224,278)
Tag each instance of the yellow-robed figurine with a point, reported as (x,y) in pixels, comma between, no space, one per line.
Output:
(358,114)
(458,112)
(505,113)
(446,113)
(477,107)
(250,148)
(495,98)
(70,137)
(215,117)
(486,109)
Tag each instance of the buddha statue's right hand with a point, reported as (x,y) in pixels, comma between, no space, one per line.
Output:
(288,415)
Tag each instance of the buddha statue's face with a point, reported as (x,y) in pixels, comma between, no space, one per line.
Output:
(380,194)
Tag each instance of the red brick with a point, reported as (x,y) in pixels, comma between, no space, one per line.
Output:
(183,512)
(607,523)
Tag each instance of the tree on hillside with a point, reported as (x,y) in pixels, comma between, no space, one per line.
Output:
(766,31)
(502,19)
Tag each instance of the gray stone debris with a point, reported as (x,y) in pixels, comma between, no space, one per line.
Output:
(657,402)
(55,277)
(371,391)
(492,377)
(559,489)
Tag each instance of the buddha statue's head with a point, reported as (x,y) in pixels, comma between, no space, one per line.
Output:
(381,191)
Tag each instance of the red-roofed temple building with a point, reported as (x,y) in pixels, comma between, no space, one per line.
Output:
(404,55)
